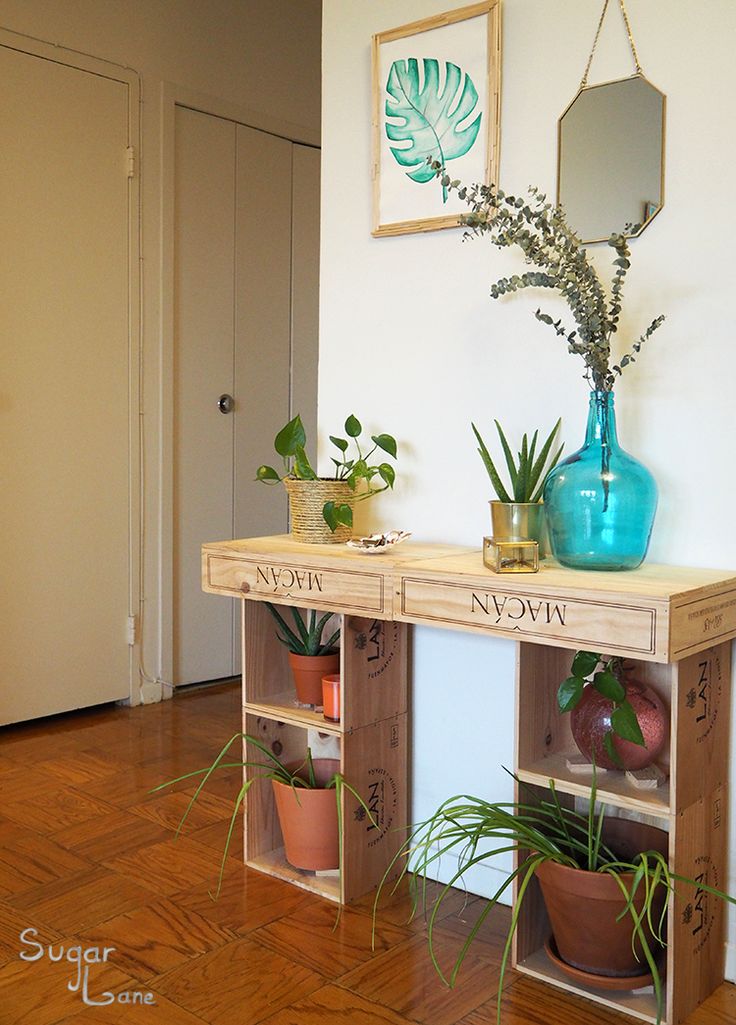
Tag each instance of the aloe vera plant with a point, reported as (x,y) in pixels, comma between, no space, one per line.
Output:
(529,473)
(308,638)
(537,830)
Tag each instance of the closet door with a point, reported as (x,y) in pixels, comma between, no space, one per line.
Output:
(204,262)
(234,280)
(64,388)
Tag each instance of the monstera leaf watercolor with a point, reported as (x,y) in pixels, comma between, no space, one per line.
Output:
(428,118)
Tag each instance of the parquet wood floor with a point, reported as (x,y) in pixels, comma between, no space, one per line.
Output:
(88,859)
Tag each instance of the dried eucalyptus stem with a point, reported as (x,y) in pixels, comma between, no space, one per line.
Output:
(548,242)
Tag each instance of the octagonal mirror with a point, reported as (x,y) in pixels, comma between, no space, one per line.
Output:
(611,158)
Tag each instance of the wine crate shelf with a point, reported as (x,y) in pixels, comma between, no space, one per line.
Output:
(675,624)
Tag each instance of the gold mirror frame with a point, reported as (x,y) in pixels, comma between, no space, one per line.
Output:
(648,215)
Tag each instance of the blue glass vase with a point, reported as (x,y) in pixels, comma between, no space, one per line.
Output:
(600,501)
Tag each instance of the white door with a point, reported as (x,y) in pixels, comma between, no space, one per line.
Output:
(246,297)
(64,388)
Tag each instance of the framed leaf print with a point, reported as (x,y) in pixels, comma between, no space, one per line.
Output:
(436,95)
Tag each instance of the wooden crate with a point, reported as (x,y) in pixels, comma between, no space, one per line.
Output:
(372,736)
(373,760)
(691,807)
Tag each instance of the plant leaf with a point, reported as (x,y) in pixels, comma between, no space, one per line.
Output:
(501,492)
(569,693)
(290,437)
(608,684)
(584,663)
(507,454)
(267,474)
(388,474)
(626,725)
(302,465)
(385,442)
(340,442)
(353,426)
(428,119)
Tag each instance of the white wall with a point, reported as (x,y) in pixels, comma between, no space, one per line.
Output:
(410,338)
(259,57)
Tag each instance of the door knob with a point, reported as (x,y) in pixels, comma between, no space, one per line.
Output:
(226,403)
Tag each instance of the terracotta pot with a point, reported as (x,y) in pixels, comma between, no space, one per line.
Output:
(583,906)
(308,819)
(308,671)
(590,720)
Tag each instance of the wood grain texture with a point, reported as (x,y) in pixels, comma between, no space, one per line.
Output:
(219,981)
(239,982)
(157,938)
(404,980)
(346,943)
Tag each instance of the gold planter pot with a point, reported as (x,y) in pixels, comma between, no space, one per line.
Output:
(520,521)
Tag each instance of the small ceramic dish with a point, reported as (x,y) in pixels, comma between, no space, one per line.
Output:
(376,544)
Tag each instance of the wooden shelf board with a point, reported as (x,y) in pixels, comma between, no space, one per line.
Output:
(285,708)
(274,863)
(640,1003)
(613,787)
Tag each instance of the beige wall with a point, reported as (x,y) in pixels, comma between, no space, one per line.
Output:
(258,60)
(418,308)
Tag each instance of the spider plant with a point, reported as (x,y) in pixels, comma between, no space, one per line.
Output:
(539,830)
(528,474)
(270,767)
(308,637)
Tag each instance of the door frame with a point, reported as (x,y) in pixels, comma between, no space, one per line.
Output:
(130,78)
(173,96)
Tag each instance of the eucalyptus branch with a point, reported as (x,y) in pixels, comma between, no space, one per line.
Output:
(542,233)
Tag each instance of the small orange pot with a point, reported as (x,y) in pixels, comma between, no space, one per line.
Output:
(331,697)
(308,819)
(308,671)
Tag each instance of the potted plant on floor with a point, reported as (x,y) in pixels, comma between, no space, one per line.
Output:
(310,658)
(308,797)
(518,514)
(612,885)
(322,508)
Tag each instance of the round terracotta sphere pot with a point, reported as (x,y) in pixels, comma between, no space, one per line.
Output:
(590,720)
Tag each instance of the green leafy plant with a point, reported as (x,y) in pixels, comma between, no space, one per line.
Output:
(540,830)
(308,637)
(608,681)
(528,474)
(541,232)
(354,468)
(270,767)
(428,118)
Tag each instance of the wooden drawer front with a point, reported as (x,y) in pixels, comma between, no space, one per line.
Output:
(312,586)
(557,620)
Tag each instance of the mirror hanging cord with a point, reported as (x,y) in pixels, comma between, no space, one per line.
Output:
(584,82)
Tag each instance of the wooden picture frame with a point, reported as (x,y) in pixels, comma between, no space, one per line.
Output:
(455,60)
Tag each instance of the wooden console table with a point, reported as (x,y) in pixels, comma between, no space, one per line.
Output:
(676,623)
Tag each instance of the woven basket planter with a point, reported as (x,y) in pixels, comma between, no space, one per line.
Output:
(306,500)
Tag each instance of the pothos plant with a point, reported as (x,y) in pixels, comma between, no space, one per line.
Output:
(356,467)
(608,681)
(540,230)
